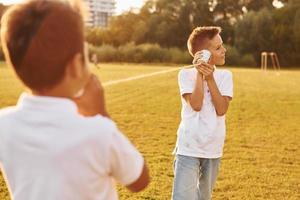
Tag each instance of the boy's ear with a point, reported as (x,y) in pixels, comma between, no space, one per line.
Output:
(75,67)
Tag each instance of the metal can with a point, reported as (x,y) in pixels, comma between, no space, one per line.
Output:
(203,55)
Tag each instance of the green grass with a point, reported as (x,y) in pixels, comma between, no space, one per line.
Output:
(261,156)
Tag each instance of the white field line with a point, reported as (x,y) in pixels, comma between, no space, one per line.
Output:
(108,83)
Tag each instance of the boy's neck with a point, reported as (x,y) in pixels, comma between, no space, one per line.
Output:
(55,92)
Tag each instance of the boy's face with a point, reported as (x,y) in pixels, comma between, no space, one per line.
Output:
(217,50)
(80,73)
(86,73)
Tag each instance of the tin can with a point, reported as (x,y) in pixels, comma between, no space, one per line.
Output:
(203,55)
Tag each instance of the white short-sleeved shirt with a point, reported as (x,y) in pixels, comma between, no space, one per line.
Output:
(48,151)
(202,134)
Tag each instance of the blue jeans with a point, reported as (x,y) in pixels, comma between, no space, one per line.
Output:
(194,178)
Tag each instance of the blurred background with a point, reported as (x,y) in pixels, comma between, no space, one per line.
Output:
(157,30)
(135,38)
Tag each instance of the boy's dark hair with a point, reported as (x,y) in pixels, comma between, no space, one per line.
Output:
(39,38)
(199,36)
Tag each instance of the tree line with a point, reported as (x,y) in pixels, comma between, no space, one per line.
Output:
(249,27)
(159,30)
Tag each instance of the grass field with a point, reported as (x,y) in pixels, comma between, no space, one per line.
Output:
(262,152)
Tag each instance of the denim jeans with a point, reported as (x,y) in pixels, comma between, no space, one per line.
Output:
(194,178)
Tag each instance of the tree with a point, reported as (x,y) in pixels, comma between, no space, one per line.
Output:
(251,26)
(254,33)
(256,5)
(228,9)
(296,31)
(2,10)
(171,21)
(271,30)
(286,33)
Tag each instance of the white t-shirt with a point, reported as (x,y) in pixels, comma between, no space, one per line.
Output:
(48,151)
(202,134)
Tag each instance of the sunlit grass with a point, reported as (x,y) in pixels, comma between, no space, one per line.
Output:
(261,156)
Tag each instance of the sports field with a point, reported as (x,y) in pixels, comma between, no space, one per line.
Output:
(262,151)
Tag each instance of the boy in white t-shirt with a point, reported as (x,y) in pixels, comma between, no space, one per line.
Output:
(58,141)
(205,95)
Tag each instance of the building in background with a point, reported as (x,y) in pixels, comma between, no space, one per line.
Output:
(99,12)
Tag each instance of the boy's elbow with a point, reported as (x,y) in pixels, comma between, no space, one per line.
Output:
(197,108)
(221,113)
(142,182)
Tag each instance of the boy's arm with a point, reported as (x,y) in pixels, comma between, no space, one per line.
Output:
(127,165)
(142,182)
(195,99)
(92,102)
(220,102)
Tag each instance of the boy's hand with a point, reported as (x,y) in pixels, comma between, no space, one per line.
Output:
(206,69)
(197,66)
(92,102)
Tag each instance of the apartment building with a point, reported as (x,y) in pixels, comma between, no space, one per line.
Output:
(99,12)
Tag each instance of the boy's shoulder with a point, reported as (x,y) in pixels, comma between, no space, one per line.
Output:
(99,122)
(223,74)
(90,125)
(99,127)
(187,72)
(7,116)
(7,112)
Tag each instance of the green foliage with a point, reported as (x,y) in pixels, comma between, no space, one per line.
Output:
(106,52)
(178,56)
(247,60)
(169,23)
(250,26)
(234,58)
(267,30)
(129,53)
(254,33)
(143,53)
(296,30)
(286,34)
(256,5)
(154,53)
(232,55)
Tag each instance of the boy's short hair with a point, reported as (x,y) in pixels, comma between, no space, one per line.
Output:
(39,38)
(199,36)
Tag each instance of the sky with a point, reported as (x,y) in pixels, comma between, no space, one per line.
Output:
(121,5)
(125,5)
